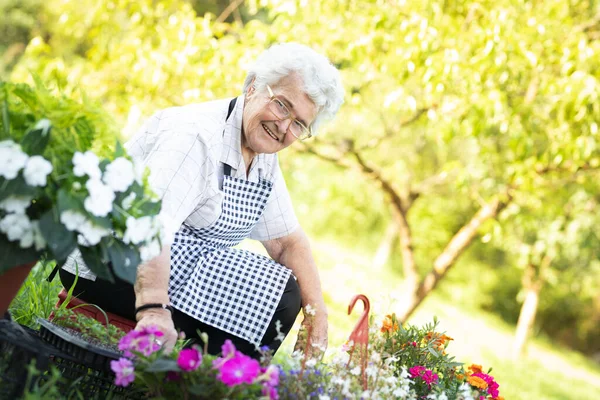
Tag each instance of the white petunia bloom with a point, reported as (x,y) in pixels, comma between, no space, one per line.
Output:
(119,174)
(86,164)
(128,201)
(100,200)
(15,226)
(12,159)
(311,363)
(140,229)
(72,220)
(91,234)
(149,251)
(15,204)
(355,371)
(324,397)
(33,237)
(139,169)
(36,171)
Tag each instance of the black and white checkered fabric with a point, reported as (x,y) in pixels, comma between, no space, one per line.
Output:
(231,289)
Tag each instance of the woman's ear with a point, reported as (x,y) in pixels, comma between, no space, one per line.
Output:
(251,88)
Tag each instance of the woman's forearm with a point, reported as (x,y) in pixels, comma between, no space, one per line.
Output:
(152,282)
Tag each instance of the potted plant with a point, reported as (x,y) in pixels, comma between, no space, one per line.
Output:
(67,184)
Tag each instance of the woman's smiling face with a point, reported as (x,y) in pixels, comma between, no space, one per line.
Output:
(262,132)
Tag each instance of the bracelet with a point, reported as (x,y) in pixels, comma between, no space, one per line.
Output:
(155,305)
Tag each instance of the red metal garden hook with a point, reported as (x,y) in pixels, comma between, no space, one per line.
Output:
(360,335)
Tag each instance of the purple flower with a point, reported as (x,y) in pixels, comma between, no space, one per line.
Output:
(124,371)
(172,376)
(189,359)
(239,369)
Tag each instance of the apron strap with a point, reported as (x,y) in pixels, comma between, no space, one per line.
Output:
(231,105)
(227,167)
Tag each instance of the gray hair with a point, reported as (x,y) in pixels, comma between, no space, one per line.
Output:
(321,80)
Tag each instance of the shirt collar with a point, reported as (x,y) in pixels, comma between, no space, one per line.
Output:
(231,152)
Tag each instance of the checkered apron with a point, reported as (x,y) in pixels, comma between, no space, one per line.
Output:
(233,290)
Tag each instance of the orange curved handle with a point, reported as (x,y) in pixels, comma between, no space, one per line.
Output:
(360,335)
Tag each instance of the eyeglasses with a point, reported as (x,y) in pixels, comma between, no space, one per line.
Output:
(281,112)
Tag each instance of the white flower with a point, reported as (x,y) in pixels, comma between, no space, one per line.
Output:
(76,186)
(324,397)
(119,174)
(375,357)
(140,229)
(33,237)
(91,234)
(310,310)
(372,370)
(15,204)
(72,220)
(311,363)
(149,251)
(100,200)
(86,164)
(37,170)
(15,226)
(355,371)
(128,201)
(139,169)
(365,395)
(12,159)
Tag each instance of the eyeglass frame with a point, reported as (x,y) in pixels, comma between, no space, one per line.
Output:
(304,128)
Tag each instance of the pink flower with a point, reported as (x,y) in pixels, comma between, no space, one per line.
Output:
(124,371)
(429,377)
(414,344)
(189,359)
(141,341)
(271,375)
(270,392)
(492,384)
(228,349)
(416,371)
(239,369)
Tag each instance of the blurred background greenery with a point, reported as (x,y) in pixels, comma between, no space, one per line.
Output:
(459,179)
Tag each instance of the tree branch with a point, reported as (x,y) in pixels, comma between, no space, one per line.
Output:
(230,8)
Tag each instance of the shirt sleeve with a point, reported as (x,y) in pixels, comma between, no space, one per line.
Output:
(180,166)
(278,219)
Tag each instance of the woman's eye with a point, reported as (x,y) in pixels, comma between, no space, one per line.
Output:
(298,124)
(280,104)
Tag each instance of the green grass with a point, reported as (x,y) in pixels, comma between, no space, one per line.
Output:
(37,296)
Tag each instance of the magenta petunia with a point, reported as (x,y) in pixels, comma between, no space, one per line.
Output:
(270,392)
(429,378)
(189,359)
(141,341)
(124,371)
(239,369)
(271,375)
(416,371)
(228,349)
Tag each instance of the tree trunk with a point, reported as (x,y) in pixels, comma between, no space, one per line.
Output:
(382,255)
(442,264)
(532,284)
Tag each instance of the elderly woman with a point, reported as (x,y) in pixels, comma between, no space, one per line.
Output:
(215,166)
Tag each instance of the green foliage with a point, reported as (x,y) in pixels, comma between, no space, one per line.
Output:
(91,328)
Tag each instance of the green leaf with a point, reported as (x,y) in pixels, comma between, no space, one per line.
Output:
(5,117)
(163,365)
(66,201)
(36,140)
(12,255)
(149,208)
(61,242)
(92,256)
(119,150)
(125,259)
(16,187)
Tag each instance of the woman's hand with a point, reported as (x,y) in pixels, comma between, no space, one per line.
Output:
(314,328)
(163,320)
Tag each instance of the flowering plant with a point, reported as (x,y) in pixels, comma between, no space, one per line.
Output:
(433,372)
(63,189)
(191,373)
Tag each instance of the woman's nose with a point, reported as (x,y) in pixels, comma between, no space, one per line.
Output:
(283,125)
